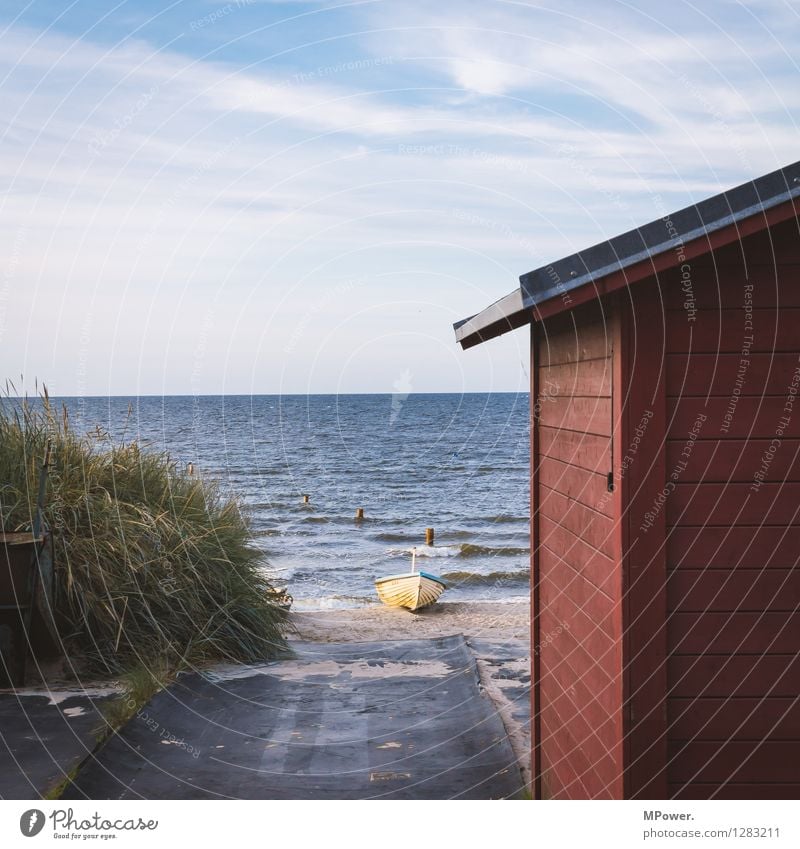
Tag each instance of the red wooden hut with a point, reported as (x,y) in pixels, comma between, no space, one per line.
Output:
(665,486)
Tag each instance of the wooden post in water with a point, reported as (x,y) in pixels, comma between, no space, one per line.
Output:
(305,499)
(429,534)
(359,513)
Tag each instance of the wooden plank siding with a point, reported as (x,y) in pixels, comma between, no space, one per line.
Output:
(577,597)
(644,561)
(733,521)
(536,639)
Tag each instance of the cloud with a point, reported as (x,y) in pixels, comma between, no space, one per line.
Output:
(485,75)
(636,71)
(456,148)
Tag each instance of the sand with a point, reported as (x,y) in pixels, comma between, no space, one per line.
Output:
(482,620)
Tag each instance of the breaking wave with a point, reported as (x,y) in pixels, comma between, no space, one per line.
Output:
(496,578)
(465,549)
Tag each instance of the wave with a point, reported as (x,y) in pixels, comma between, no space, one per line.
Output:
(464,549)
(430,550)
(410,536)
(334,602)
(387,536)
(480,521)
(469,549)
(505,518)
(496,578)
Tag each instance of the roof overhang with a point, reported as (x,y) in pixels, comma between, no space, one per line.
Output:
(638,254)
(502,316)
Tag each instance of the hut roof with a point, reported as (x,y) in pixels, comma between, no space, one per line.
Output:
(639,253)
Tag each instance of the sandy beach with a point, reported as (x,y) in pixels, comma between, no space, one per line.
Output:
(479,620)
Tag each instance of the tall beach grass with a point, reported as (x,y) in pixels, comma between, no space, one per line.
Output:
(154,567)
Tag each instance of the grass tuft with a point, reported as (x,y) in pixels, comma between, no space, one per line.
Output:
(155,569)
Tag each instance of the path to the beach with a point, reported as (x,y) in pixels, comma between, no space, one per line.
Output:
(413,719)
(440,710)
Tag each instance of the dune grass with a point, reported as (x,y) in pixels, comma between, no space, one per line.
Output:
(155,568)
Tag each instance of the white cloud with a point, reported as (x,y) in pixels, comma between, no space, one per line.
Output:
(486,76)
(151,184)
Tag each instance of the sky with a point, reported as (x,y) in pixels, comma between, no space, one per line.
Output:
(301,197)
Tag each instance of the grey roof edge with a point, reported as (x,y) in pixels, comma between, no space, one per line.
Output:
(499,317)
(668,233)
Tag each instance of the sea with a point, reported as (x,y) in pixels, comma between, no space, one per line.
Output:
(457,463)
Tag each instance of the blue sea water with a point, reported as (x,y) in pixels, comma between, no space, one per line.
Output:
(457,463)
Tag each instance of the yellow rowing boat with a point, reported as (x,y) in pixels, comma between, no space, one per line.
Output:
(413,589)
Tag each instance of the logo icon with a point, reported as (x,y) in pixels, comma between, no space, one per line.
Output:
(402,389)
(31,822)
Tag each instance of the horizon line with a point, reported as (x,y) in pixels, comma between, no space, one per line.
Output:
(273,394)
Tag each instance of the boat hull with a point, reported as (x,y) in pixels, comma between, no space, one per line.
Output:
(412,591)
